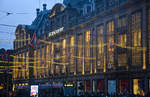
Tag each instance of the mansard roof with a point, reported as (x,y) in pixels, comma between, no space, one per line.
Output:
(76,3)
(42,18)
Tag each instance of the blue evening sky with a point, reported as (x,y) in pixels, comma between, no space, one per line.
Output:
(18,6)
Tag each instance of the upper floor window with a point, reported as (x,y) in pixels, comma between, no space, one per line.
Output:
(72,41)
(136,29)
(89,9)
(87,36)
(136,38)
(110,27)
(122,37)
(122,22)
(64,44)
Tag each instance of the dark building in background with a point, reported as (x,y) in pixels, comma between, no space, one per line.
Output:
(99,46)
(6,68)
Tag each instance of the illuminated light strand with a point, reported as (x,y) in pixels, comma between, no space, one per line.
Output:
(7,72)
(128,47)
(10,66)
(57,63)
(31,62)
(17,62)
(37,67)
(15,69)
(133,48)
(37,58)
(20,67)
(88,58)
(55,58)
(72,45)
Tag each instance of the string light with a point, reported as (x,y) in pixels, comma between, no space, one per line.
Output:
(91,46)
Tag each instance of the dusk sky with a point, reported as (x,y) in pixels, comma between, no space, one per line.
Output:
(18,6)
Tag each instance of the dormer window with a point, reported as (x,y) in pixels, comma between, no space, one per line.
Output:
(89,9)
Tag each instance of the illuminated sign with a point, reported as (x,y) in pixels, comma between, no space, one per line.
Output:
(68,85)
(34,90)
(56,32)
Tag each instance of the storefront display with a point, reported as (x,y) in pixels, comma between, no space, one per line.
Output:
(100,86)
(111,87)
(87,85)
(124,86)
(80,89)
(138,87)
(34,90)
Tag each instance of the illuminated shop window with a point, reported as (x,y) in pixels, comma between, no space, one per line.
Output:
(136,38)
(80,54)
(23,65)
(149,85)
(122,40)
(88,86)
(87,51)
(16,68)
(35,69)
(19,61)
(100,53)
(64,44)
(100,86)
(58,69)
(138,87)
(43,62)
(70,55)
(47,60)
(149,33)
(27,64)
(64,54)
(124,86)
(39,62)
(112,87)
(52,55)
(110,45)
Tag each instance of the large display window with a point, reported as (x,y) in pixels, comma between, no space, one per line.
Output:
(138,87)
(88,86)
(100,86)
(124,86)
(111,87)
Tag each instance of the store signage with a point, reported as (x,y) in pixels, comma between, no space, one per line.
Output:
(68,85)
(56,32)
(34,90)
